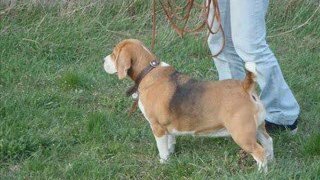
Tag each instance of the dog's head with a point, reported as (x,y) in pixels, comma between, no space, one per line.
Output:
(128,54)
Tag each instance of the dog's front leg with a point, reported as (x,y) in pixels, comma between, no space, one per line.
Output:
(162,142)
(171,143)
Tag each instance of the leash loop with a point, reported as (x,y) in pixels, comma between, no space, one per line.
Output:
(170,7)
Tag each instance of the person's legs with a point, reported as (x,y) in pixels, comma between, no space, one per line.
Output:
(248,30)
(228,63)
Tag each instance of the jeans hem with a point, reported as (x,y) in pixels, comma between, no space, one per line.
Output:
(282,119)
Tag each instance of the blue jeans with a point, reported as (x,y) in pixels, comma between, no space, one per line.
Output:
(245,31)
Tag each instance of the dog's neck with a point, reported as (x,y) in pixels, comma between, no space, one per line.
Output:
(140,60)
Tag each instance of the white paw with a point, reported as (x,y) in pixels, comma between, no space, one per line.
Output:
(171,149)
(270,156)
(262,166)
(163,161)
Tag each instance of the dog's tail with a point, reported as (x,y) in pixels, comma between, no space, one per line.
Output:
(251,77)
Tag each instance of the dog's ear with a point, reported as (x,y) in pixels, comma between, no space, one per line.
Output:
(123,64)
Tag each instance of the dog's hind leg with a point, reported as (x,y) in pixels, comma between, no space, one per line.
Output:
(251,146)
(266,141)
(259,155)
(245,137)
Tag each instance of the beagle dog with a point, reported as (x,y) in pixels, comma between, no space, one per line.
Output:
(175,104)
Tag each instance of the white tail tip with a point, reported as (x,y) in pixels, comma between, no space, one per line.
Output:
(251,66)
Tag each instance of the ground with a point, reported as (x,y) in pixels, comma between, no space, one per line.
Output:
(63,117)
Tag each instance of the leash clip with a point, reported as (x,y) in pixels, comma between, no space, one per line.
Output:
(135,95)
(134,106)
(154,63)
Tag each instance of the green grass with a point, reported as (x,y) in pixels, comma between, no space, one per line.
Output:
(63,117)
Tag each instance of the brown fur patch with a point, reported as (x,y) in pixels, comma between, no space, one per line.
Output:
(187,98)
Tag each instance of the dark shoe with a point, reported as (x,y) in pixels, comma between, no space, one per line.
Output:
(271,127)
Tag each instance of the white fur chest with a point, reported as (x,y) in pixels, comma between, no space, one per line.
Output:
(218,133)
(142,109)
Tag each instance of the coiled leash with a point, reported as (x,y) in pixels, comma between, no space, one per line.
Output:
(170,9)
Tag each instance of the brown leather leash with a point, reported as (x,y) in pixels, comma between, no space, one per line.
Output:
(169,7)
(134,89)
